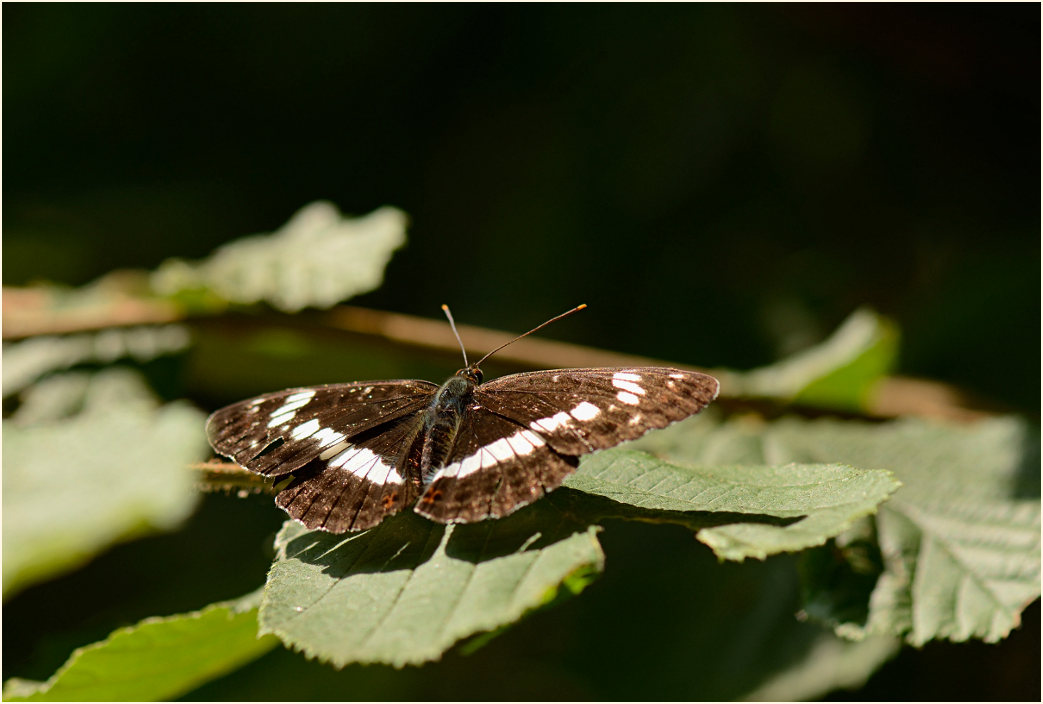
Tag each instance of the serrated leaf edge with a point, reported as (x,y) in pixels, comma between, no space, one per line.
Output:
(516,612)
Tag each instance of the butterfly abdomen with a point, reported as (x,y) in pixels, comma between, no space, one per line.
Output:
(442,423)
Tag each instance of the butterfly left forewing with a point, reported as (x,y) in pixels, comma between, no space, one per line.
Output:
(279,433)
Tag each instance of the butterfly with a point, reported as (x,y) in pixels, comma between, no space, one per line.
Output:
(465,451)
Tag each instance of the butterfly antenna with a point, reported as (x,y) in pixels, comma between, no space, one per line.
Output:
(452,324)
(556,318)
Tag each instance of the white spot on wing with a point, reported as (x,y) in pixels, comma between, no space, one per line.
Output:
(289,407)
(632,388)
(585,411)
(488,458)
(327,436)
(344,456)
(677,376)
(305,429)
(551,424)
(532,437)
(470,464)
(628,398)
(281,420)
(501,450)
(626,376)
(363,462)
(520,443)
(385,474)
(335,450)
(450,470)
(627,384)
(301,396)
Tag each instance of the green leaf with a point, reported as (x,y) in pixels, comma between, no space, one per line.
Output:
(28,360)
(318,258)
(667,621)
(959,543)
(841,372)
(156,659)
(406,591)
(826,498)
(74,486)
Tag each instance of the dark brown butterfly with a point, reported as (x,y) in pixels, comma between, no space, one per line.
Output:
(461,452)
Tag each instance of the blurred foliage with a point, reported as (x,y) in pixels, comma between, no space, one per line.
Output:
(317,259)
(723,184)
(76,483)
(156,659)
(839,373)
(28,360)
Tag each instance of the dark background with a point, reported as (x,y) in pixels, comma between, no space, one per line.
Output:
(722,184)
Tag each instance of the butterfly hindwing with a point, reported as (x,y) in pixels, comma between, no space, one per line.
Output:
(279,433)
(360,485)
(494,468)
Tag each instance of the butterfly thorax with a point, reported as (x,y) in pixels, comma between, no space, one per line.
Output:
(442,420)
(455,393)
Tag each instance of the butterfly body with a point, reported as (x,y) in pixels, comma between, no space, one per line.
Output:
(442,420)
(461,452)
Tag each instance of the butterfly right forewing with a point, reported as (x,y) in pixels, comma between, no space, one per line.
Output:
(577,411)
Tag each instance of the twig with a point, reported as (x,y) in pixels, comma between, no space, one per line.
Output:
(217,475)
(28,312)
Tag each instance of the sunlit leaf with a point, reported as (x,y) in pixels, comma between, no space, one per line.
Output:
(826,499)
(406,591)
(959,543)
(409,589)
(317,259)
(156,659)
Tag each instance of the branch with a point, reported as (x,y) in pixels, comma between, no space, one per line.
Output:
(34,311)
(218,475)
